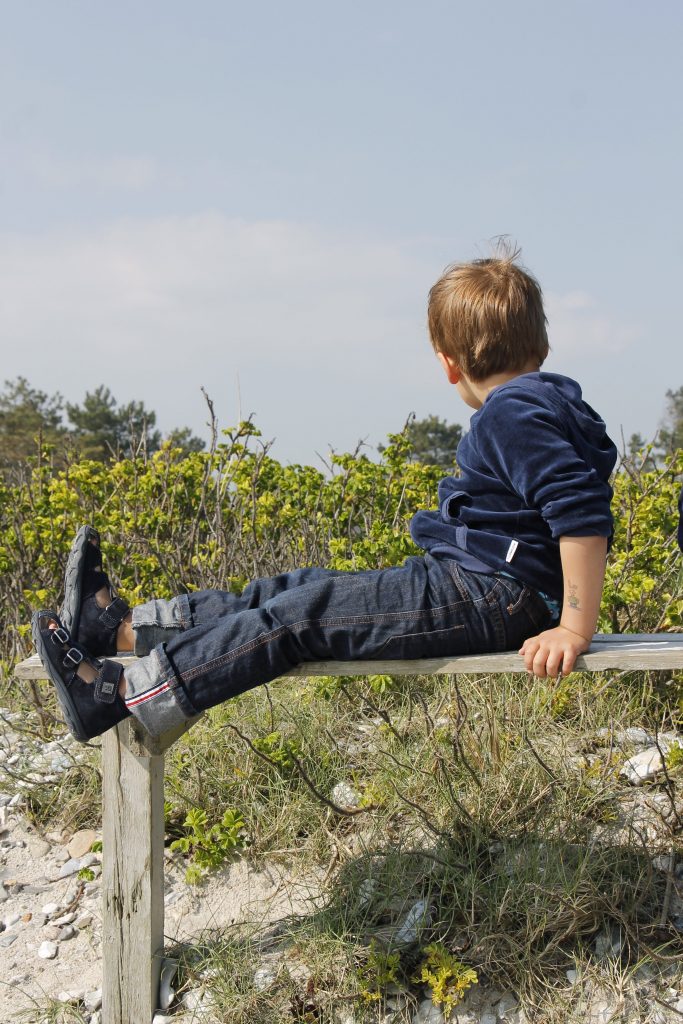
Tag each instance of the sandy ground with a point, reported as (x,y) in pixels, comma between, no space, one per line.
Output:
(34,902)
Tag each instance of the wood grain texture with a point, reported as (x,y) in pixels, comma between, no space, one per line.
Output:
(622,651)
(132,876)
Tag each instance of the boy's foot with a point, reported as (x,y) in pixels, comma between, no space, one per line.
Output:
(87,688)
(92,613)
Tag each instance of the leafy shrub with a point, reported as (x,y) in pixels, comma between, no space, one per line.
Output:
(643,583)
(173,522)
(447,977)
(379,970)
(209,845)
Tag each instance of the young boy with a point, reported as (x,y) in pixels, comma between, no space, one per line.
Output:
(514,555)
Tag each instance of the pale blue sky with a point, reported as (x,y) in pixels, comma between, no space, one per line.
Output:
(257,197)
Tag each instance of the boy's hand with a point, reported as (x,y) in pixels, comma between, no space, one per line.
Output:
(553,651)
(583,568)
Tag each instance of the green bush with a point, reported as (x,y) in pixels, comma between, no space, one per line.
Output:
(643,584)
(174,523)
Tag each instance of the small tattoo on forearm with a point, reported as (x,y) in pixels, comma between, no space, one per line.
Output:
(572,595)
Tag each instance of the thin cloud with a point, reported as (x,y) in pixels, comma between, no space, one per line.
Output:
(52,170)
(321,333)
(579,325)
(201,280)
(307,320)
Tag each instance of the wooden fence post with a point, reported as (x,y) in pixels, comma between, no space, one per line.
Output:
(132,876)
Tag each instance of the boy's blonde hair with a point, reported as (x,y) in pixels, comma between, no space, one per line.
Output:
(488,316)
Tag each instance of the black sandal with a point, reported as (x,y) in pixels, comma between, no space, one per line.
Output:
(89,708)
(91,625)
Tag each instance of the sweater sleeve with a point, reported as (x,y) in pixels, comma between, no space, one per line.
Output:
(525,443)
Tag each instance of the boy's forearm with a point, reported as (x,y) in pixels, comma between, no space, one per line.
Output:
(556,650)
(583,567)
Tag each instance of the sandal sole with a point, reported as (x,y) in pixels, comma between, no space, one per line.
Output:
(73,576)
(69,709)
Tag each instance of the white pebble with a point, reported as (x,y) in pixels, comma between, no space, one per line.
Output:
(166,991)
(74,996)
(48,950)
(662,862)
(64,919)
(51,908)
(601,1011)
(344,795)
(80,842)
(93,1000)
(639,736)
(197,1000)
(643,766)
(264,977)
(507,1006)
(428,1013)
(70,868)
(417,918)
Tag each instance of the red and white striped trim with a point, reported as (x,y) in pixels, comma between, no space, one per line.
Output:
(142,698)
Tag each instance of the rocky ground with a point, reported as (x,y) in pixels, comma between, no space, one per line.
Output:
(51,929)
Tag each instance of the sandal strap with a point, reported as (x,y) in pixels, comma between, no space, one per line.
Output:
(107,682)
(106,685)
(114,613)
(60,637)
(73,658)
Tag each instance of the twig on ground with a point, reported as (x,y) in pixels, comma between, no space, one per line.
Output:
(349,812)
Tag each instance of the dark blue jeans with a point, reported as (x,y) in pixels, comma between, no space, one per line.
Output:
(203,648)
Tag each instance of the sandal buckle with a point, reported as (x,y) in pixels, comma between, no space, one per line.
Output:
(59,636)
(73,657)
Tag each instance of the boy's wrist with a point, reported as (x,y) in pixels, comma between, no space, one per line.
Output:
(569,629)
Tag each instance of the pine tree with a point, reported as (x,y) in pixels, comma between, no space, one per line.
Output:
(28,417)
(104,430)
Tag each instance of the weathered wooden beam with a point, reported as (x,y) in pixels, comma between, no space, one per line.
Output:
(631,652)
(132,875)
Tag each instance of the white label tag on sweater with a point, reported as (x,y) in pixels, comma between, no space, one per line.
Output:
(511,550)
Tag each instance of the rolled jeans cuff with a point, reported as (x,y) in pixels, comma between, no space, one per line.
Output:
(154,695)
(156,621)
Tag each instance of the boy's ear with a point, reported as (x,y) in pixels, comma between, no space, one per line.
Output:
(453,372)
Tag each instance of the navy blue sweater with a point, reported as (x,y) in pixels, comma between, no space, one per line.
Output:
(534,467)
